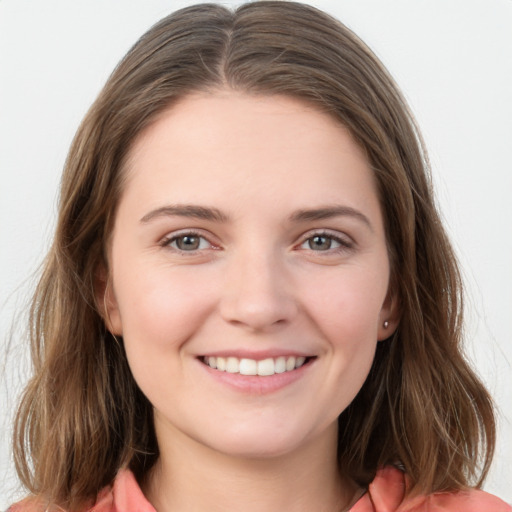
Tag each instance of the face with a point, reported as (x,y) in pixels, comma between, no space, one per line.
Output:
(249,272)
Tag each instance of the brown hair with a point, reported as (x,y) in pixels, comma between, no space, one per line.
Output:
(82,417)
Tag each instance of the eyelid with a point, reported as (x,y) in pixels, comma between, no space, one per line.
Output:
(346,241)
(166,241)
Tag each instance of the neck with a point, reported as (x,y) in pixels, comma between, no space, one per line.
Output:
(191,477)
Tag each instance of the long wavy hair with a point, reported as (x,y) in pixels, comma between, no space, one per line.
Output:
(82,416)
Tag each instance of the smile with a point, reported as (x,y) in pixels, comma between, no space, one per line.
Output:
(263,368)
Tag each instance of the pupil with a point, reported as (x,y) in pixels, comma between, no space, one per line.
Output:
(320,242)
(188,242)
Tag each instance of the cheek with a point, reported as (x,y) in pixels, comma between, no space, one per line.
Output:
(346,308)
(160,310)
(347,304)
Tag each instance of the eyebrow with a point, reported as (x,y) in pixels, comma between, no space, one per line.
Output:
(186,210)
(328,213)
(216,215)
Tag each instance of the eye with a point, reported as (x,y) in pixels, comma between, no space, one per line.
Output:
(187,242)
(322,242)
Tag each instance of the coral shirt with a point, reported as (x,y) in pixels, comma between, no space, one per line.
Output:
(385,494)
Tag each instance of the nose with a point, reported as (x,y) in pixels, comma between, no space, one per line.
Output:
(258,294)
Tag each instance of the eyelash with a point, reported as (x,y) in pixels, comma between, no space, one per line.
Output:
(344,243)
(168,241)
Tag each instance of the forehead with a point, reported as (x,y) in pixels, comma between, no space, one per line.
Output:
(225,118)
(207,145)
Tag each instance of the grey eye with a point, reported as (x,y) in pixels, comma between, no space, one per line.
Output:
(189,243)
(321,243)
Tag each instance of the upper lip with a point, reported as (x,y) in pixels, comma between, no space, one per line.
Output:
(257,355)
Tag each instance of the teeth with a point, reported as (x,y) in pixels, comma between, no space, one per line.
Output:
(248,367)
(263,368)
(232,365)
(266,367)
(280,365)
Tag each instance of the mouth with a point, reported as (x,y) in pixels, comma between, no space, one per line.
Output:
(262,368)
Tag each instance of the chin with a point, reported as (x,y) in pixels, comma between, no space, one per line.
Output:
(256,449)
(267,442)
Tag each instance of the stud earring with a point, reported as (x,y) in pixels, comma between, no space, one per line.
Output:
(386,324)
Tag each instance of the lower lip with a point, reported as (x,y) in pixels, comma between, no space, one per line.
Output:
(257,385)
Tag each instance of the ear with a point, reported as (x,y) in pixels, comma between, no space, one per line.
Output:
(106,300)
(389,317)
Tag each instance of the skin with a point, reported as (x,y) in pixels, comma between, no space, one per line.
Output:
(251,281)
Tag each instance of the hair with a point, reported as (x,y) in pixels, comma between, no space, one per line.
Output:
(82,416)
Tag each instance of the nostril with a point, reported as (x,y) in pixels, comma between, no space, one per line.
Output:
(258,312)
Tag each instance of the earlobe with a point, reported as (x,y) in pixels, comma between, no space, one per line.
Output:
(389,317)
(106,301)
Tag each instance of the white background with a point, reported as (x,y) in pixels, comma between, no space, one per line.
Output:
(453,60)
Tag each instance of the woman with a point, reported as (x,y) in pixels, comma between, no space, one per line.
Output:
(250,302)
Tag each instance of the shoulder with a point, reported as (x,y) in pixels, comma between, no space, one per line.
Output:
(27,505)
(470,501)
(124,495)
(387,493)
